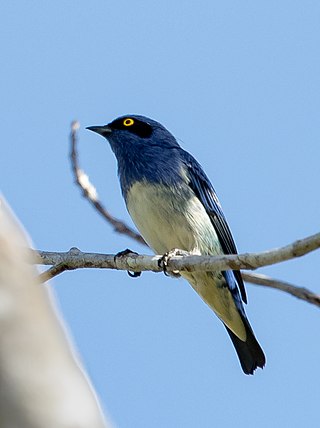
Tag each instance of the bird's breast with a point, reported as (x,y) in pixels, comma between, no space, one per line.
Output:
(171,217)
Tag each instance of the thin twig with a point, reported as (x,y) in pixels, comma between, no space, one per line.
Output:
(89,191)
(55,270)
(299,292)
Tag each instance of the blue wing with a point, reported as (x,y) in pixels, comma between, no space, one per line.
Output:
(200,184)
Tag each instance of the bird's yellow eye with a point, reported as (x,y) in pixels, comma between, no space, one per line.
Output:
(128,122)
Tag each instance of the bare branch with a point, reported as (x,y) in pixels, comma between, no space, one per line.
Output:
(299,292)
(75,259)
(90,193)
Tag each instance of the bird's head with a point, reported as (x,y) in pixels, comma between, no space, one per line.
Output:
(133,131)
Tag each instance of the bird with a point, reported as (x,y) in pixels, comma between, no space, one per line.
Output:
(174,206)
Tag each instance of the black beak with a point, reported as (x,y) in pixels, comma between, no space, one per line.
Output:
(102,130)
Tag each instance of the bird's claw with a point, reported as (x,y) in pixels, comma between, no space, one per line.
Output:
(125,253)
(134,274)
(163,261)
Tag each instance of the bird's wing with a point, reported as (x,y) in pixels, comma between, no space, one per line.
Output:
(204,190)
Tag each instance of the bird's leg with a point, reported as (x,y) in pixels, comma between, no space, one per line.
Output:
(125,253)
(163,261)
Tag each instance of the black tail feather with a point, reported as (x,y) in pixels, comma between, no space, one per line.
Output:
(249,352)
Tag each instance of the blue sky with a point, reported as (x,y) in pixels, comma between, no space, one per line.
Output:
(238,83)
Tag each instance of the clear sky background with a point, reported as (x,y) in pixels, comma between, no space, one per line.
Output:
(239,84)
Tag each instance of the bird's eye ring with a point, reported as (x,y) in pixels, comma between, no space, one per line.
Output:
(128,122)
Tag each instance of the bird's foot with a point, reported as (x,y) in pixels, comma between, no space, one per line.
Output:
(163,261)
(126,252)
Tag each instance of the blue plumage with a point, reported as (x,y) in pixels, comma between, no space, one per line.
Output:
(174,205)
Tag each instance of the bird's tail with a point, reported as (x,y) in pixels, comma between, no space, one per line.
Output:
(249,352)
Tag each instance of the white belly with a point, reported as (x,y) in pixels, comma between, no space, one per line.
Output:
(168,219)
